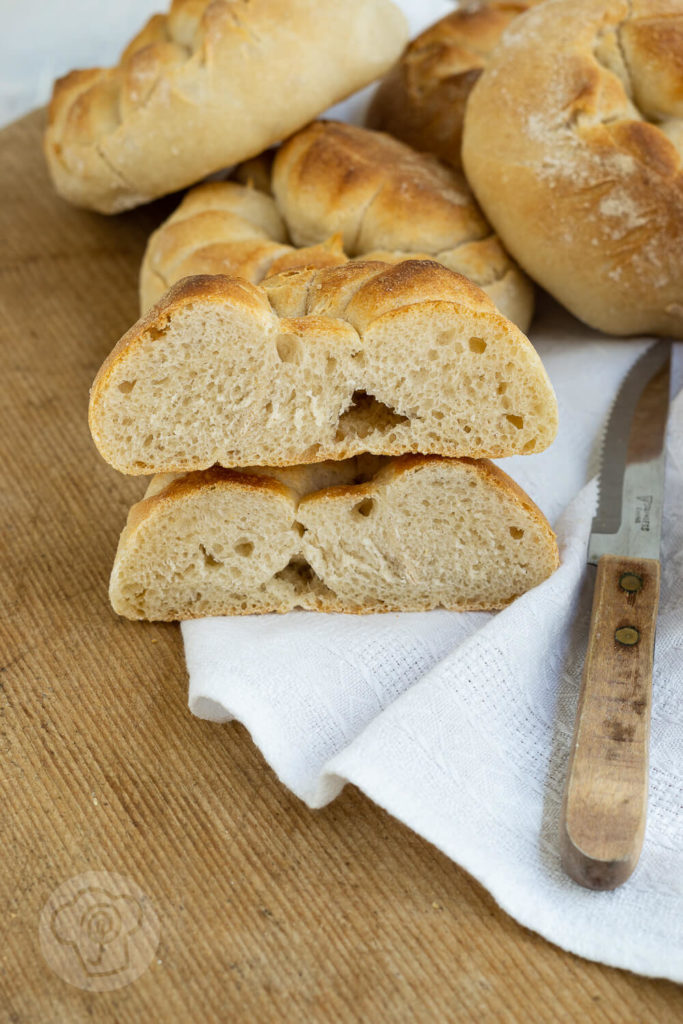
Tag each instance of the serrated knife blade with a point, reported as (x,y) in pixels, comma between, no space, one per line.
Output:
(631,482)
(605,800)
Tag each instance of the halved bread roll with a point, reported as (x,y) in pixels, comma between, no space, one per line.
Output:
(320,364)
(368,535)
(339,192)
(209,84)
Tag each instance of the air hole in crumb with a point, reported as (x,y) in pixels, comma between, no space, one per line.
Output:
(477,345)
(516,532)
(289,348)
(437,414)
(530,446)
(300,528)
(296,567)
(126,386)
(502,388)
(516,421)
(449,338)
(209,561)
(154,333)
(367,415)
(244,548)
(269,408)
(364,507)
(467,430)
(301,577)
(331,364)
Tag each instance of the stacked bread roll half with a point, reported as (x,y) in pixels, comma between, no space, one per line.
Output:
(326,357)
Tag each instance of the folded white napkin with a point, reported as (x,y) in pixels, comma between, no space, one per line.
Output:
(460,724)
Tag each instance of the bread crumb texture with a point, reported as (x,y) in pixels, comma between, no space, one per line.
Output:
(362,535)
(320,364)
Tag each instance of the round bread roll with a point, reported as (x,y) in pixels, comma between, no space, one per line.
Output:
(383,197)
(339,192)
(211,83)
(572,143)
(421,100)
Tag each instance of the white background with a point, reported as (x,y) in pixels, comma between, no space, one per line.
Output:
(43,39)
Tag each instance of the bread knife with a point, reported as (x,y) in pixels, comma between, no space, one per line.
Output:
(605,799)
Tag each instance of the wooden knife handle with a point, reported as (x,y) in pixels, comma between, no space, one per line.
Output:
(605,800)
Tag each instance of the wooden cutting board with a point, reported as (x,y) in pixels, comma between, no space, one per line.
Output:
(267,911)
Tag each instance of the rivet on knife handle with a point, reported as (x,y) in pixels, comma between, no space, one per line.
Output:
(605,802)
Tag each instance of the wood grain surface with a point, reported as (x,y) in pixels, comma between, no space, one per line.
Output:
(268,911)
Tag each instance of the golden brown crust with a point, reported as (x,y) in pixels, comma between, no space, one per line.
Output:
(120,136)
(585,186)
(344,192)
(422,99)
(377,191)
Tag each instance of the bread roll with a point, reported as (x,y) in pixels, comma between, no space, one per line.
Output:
(316,365)
(422,99)
(573,141)
(383,196)
(424,209)
(225,228)
(211,83)
(416,533)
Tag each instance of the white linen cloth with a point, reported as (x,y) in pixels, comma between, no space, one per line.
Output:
(460,724)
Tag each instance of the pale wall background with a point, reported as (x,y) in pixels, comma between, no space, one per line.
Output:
(42,39)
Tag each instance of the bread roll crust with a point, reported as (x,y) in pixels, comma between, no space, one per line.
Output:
(422,99)
(339,192)
(227,543)
(573,142)
(206,86)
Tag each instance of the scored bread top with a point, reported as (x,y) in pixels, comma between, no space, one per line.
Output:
(363,535)
(320,364)
(339,191)
(208,85)
(573,143)
(422,99)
